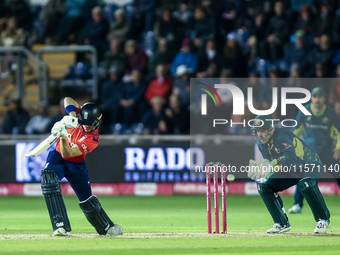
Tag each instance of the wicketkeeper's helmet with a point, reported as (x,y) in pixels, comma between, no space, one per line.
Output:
(264,122)
(89,114)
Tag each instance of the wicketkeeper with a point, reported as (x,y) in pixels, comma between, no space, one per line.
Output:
(79,136)
(293,164)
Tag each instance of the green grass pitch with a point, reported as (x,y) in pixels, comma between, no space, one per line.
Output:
(164,225)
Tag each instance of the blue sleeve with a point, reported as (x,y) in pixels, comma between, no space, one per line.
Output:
(336,58)
(193,62)
(175,64)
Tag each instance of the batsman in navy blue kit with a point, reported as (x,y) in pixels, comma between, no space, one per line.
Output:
(288,160)
(78,136)
(318,132)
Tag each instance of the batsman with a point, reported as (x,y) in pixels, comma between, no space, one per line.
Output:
(78,136)
(294,161)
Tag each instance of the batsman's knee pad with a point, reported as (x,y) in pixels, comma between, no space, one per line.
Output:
(96,215)
(310,190)
(54,200)
(273,205)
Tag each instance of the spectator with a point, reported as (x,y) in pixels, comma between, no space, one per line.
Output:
(336,29)
(132,101)
(136,57)
(184,15)
(177,116)
(115,57)
(16,118)
(182,84)
(95,31)
(321,54)
(256,35)
(166,27)
(20,10)
(12,36)
(266,91)
(254,83)
(185,57)
(78,12)
(334,94)
(208,56)
(297,5)
(324,23)
(154,119)
(50,18)
(164,55)
(3,17)
(159,87)
(298,52)
(204,27)
(110,98)
(120,29)
(233,57)
(231,11)
(305,20)
(39,123)
(337,107)
(277,34)
(144,14)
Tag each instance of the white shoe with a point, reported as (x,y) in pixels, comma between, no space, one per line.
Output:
(115,230)
(277,228)
(61,232)
(295,209)
(322,226)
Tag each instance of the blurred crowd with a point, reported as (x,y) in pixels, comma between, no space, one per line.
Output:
(149,49)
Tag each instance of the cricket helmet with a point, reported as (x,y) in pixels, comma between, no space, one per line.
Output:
(264,122)
(89,114)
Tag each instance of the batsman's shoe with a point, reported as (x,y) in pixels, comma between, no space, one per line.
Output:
(295,209)
(61,232)
(277,228)
(116,230)
(322,226)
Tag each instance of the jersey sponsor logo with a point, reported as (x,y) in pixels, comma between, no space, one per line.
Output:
(84,147)
(69,138)
(277,150)
(286,145)
(325,120)
(316,126)
(82,139)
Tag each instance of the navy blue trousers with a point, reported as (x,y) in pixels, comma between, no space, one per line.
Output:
(75,173)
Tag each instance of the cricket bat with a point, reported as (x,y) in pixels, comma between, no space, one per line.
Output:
(44,145)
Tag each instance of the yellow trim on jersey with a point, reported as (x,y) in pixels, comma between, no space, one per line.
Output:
(299,151)
(335,131)
(322,112)
(299,130)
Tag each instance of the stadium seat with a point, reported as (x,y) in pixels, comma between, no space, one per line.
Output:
(58,64)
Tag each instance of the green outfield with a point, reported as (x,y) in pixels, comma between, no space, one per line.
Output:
(164,225)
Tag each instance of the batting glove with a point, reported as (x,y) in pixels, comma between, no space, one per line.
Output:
(69,122)
(58,127)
